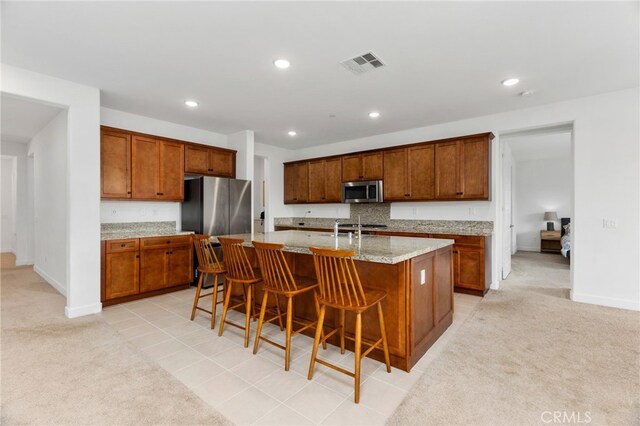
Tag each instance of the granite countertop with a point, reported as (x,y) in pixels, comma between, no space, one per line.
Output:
(122,231)
(371,248)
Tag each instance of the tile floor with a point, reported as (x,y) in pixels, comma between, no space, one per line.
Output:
(255,389)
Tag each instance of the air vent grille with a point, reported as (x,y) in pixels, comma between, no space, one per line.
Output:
(366,62)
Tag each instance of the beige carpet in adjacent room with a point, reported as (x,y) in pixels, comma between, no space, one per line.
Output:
(528,352)
(80,371)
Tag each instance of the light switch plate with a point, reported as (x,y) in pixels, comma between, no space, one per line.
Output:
(423,277)
(609,223)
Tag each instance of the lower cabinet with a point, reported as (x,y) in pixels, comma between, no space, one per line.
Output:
(137,268)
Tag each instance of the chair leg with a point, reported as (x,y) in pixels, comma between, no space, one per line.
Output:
(214,301)
(287,346)
(225,307)
(247,323)
(253,303)
(316,341)
(315,301)
(383,331)
(341,331)
(263,309)
(279,311)
(358,348)
(197,296)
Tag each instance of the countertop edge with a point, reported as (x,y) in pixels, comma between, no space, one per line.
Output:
(108,236)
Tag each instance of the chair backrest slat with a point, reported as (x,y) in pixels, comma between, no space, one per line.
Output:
(205,253)
(235,259)
(338,278)
(275,269)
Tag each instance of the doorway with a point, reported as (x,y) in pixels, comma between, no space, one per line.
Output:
(260,194)
(537,207)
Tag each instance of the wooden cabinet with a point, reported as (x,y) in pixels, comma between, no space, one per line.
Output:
(165,262)
(296,183)
(203,160)
(121,269)
(115,164)
(325,181)
(366,166)
(409,174)
(462,169)
(158,169)
(137,268)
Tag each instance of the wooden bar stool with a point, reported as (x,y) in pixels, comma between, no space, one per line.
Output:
(239,273)
(279,281)
(208,263)
(340,288)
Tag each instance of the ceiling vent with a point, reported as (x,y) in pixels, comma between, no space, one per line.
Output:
(366,62)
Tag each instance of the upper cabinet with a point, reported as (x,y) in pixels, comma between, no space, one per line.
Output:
(115,164)
(158,169)
(296,183)
(462,168)
(325,180)
(366,166)
(145,167)
(203,160)
(409,174)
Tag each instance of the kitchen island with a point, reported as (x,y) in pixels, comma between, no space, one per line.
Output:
(416,273)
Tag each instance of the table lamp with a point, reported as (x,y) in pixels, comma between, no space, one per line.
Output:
(550,217)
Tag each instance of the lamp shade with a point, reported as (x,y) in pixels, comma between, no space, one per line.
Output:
(550,216)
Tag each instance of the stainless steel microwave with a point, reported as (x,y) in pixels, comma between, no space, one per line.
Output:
(362,192)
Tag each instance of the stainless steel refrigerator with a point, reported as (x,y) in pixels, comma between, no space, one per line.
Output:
(216,206)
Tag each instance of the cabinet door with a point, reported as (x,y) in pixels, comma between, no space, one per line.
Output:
(470,268)
(332,180)
(421,160)
(447,178)
(115,164)
(289,183)
(121,275)
(222,163)
(145,169)
(171,171)
(197,160)
(474,168)
(395,175)
(302,182)
(180,265)
(153,269)
(351,168)
(317,192)
(372,166)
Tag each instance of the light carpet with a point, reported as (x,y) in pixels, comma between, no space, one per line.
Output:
(528,354)
(80,371)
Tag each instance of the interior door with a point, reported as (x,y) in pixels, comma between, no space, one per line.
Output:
(506,211)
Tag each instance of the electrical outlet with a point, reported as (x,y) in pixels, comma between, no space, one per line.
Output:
(472,211)
(609,223)
(423,277)
(415,211)
(143,212)
(114,212)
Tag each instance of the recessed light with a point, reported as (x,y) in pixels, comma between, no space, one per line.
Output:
(292,133)
(191,104)
(527,93)
(374,114)
(510,82)
(282,63)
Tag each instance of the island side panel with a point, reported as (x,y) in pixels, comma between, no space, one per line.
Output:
(431,300)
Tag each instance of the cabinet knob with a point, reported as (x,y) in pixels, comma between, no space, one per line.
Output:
(169,242)
(128,192)
(123,245)
(137,256)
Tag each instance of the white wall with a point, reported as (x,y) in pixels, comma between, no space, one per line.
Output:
(24,202)
(7,204)
(274,176)
(542,185)
(151,211)
(49,151)
(606,182)
(82,178)
(258,178)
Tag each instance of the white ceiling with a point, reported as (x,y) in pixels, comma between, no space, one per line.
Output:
(445,60)
(540,146)
(21,119)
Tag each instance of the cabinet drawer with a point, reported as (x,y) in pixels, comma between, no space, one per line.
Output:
(171,240)
(114,246)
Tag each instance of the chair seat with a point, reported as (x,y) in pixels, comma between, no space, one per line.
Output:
(371,296)
(213,269)
(303,283)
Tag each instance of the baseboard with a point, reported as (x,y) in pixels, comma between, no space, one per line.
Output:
(55,284)
(495,285)
(23,262)
(633,305)
(80,311)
